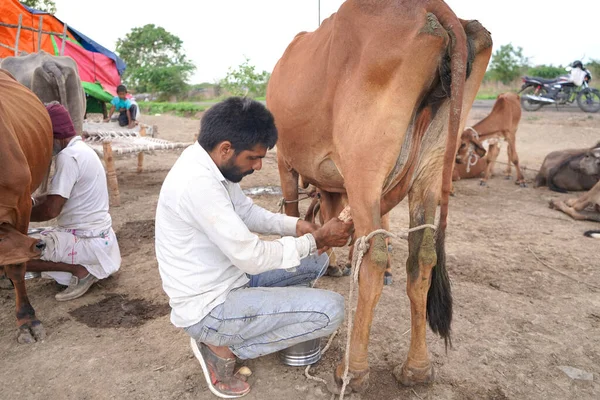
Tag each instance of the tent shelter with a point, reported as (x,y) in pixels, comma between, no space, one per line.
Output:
(25,30)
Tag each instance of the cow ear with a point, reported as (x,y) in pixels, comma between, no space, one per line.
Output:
(479,149)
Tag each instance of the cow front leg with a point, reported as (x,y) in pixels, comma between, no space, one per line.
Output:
(492,155)
(369,290)
(30,328)
(421,260)
(289,187)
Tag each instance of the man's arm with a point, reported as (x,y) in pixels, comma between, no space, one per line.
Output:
(262,221)
(205,205)
(65,176)
(110,113)
(47,208)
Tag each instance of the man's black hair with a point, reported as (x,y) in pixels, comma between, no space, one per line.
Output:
(121,89)
(242,121)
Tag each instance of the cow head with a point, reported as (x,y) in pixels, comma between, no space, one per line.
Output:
(16,248)
(470,147)
(590,163)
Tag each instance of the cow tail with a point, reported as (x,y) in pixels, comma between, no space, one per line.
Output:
(592,234)
(53,69)
(439,296)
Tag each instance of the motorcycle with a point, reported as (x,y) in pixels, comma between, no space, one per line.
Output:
(538,92)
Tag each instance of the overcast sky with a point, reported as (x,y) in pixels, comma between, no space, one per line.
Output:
(218,33)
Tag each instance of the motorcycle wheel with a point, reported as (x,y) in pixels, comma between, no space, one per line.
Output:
(589,100)
(529,105)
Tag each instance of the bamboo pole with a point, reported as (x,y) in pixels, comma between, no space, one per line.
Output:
(64,41)
(18,35)
(111,175)
(40,26)
(140,166)
(27,28)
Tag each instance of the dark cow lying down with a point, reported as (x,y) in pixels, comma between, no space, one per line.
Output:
(570,170)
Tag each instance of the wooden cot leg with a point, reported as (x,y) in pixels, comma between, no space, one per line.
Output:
(111,175)
(140,167)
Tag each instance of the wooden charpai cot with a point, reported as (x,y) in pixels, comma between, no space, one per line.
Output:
(108,140)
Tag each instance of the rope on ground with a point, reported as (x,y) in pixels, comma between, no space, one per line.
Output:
(307,370)
(525,168)
(560,272)
(360,249)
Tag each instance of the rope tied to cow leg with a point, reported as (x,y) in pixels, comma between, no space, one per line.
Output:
(283,202)
(361,247)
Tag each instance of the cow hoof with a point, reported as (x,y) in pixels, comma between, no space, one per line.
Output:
(409,376)
(39,333)
(482,183)
(387,279)
(31,332)
(508,177)
(337,271)
(359,381)
(522,184)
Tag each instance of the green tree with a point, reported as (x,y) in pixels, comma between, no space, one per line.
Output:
(547,71)
(245,81)
(155,61)
(42,5)
(507,63)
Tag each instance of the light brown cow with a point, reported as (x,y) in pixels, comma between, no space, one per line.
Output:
(25,156)
(366,112)
(500,124)
(576,207)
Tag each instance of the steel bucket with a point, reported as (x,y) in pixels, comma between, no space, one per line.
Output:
(32,275)
(302,354)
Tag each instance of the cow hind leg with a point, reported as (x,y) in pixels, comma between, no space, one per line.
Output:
(428,289)
(30,328)
(365,213)
(514,159)
(387,275)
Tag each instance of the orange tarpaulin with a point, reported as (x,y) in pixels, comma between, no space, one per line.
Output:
(28,40)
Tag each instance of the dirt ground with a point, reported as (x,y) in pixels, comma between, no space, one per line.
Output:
(515,319)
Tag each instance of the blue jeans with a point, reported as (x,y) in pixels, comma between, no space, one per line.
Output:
(268,315)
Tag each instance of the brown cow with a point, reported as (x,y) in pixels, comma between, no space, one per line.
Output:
(501,123)
(366,112)
(576,207)
(573,169)
(25,156)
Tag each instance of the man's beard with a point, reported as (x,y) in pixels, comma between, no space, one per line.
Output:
(233,173)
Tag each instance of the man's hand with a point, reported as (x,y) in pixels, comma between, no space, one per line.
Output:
(334,233)
(303,227)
